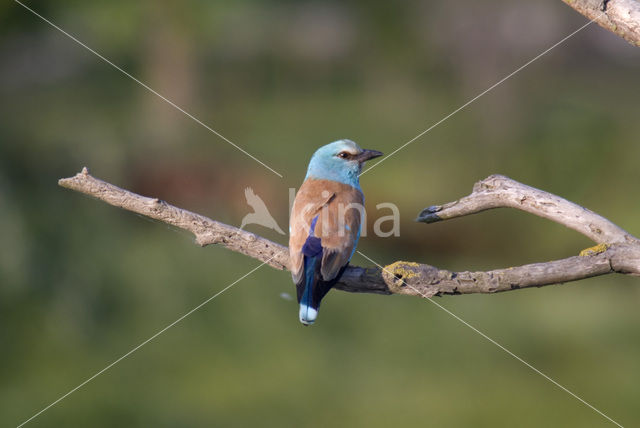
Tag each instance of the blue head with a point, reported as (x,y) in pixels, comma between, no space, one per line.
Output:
(340,161)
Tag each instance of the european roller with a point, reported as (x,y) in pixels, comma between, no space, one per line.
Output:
(325,222)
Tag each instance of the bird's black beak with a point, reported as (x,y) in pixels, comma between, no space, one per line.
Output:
(367,155)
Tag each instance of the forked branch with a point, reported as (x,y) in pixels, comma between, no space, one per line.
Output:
(617,250)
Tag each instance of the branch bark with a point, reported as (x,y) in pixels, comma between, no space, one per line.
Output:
(618,251)
(621,17)
(499,191)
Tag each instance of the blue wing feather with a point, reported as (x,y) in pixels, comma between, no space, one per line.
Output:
(312,246)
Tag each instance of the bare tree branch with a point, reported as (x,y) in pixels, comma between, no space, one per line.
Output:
(621,17)
(618,251)
(498,191)
(424,280)
(207,231)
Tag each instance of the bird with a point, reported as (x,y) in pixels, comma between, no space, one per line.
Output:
(260,214)
(325,222)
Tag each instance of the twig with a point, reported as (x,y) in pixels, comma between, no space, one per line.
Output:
(498,191)
(618,250)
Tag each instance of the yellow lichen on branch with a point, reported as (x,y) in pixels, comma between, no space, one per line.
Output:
(596,249)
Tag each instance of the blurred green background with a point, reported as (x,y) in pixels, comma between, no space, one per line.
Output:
(82,283)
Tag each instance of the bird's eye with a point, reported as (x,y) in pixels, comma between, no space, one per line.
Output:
(343,155)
